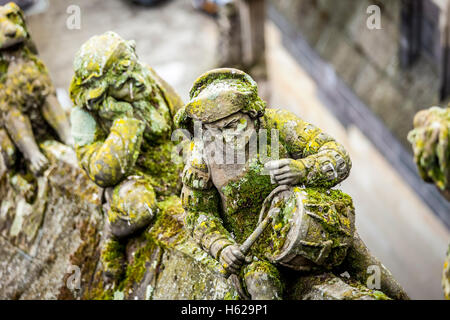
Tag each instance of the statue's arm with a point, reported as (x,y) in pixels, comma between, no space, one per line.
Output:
(201,202)
(57,118)
(106,160)
(19,129)
(203,222)
(318,159)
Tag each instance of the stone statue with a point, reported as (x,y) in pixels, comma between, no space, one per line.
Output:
(446,276)
(261,213)
(122,124)
(430,141)
(29,110)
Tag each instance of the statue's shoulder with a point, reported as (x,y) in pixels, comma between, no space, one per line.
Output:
(29,55)
(172,98)
(278,117)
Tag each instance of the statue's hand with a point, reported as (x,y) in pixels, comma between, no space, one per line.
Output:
(232,259)
(286,171)
(112,109)
(38,163)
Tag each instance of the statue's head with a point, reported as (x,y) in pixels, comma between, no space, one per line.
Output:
(12,26)
(103,64)
(222,99)
(429,139)
(226,103)
(220,93)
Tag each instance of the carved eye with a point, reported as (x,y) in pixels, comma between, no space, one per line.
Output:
(122,66)
(138,84)
(14,17)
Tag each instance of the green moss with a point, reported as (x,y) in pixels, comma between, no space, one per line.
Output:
(136,269)
(202,201)
(231,295)
(26,84)
(112,257)
(167,230)
(99,292)
(25,184)
(242,211)
(264,271)
(380,295)
(3,69)
(157,161)
(364,291)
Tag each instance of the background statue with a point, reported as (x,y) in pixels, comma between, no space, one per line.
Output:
(446,276)
(309,226)
(430,141)
(29,110)
(122,124)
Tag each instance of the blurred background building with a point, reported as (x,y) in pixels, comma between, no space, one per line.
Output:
(319,59)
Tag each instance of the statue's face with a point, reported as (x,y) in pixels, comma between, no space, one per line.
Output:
(12,26)
(234,131)
(130,90)
(107,65)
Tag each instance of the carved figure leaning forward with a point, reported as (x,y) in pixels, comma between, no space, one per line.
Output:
(430,141)
(29,110)
(309,226)
(122,125)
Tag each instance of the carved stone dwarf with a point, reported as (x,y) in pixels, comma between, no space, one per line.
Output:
(430,141)
(225,202)
(122,124)
(29,110)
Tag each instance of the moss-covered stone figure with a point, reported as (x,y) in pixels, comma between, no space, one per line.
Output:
(430,141)
(309,226)
(29,110)
(446,276)
(122,124)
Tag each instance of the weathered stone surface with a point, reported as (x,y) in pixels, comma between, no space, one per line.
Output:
(162,262)
(35,268)
(360,261)
(68,237)
(329,287)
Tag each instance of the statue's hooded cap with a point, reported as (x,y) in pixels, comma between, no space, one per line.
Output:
(11,13)
(94,61)
(221,92)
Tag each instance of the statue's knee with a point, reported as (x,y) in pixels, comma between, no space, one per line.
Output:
(262,280)
(132,206)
